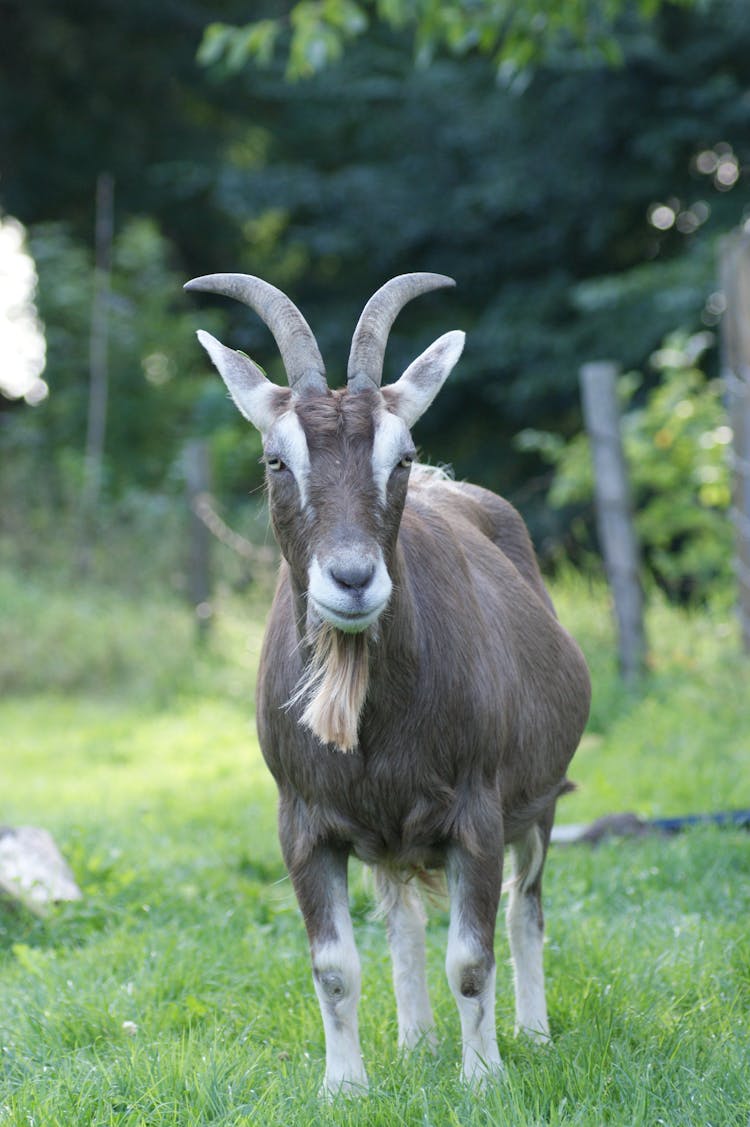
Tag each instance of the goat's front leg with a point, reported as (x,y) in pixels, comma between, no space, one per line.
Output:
(405,921)
(474,887)
(320,883)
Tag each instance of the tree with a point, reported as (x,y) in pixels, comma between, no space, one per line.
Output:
(577,213)
(315,33)
(86,88)
(675,437)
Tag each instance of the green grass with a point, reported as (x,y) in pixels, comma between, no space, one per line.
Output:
(677,744)
(178,991)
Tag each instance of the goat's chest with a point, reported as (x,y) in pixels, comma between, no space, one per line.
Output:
(398,808)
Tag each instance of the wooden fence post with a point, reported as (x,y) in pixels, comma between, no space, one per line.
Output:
(96,427)
(198,484)
(614,512)
(735,347)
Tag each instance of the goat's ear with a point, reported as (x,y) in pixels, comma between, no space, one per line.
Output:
(255,396)
(410,396)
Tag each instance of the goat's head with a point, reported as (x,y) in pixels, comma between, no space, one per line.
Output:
(337,462)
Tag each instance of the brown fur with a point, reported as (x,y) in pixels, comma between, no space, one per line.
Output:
(474,699)
(460,705)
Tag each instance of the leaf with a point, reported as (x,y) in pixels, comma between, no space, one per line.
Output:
(216,39)
(345,15)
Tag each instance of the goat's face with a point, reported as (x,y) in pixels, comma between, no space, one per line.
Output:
(337,463)
(337,467)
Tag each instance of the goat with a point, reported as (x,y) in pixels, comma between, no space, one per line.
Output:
(418,701)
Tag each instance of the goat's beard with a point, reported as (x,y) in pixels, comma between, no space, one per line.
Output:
(333,685)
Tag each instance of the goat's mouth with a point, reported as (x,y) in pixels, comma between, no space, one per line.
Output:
(349,593)
(348,621)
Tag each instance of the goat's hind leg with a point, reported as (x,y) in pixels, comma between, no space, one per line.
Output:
(525,921)
(401,904)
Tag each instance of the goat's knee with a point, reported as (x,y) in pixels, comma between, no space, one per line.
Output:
(471,976)
(337,978)
(335,987)
(469,979)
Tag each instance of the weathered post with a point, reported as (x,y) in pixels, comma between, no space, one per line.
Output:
(735,342)
(198,484)
(96,426)
(614,512)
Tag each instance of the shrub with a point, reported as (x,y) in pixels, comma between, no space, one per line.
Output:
(675,436)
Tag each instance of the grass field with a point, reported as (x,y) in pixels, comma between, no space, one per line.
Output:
(178,991)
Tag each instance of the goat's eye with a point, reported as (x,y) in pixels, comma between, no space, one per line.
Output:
(274,463)
(406,462)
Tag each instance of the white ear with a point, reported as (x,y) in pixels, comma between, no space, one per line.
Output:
(255,396)
(410,396)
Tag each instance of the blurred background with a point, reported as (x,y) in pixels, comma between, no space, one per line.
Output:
(582,169)
(575,181)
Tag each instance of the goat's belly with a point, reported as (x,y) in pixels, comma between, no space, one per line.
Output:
(402,856)
(397,847)
(391,821)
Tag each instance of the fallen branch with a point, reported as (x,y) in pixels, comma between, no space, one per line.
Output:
(630,825)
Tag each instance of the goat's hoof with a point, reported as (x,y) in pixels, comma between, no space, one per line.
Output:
(415,1040)
(348,1088)
(479,1073)
(537,1036)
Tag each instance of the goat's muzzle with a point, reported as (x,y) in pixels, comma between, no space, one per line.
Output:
(350,589)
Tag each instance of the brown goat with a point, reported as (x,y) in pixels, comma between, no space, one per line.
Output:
(418,701)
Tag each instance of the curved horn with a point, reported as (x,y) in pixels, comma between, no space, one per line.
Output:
(371,334)
(299,350)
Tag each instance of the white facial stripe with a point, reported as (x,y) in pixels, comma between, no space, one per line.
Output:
(389,444)
(287,439)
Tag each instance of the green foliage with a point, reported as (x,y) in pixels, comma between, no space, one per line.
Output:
(675,437)
(537,202)
(515,36)
(161,389)
(647,751)
(154,368)
(114,650)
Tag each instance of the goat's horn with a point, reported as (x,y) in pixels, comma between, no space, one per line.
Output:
(299,350)
(371,334)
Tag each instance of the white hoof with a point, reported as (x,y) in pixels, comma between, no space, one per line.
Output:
(478,1071)
(349,1087)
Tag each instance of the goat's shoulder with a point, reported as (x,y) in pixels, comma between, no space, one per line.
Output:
(461,503)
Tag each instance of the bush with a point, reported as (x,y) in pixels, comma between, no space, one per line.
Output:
(675,436)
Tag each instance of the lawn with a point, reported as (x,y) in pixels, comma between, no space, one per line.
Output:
(178,991)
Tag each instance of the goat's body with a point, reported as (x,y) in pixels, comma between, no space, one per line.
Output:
(472,749)
(418,701)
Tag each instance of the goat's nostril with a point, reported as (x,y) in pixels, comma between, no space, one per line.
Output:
(354,575)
